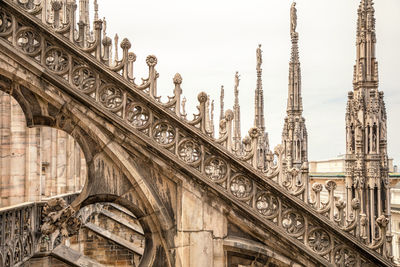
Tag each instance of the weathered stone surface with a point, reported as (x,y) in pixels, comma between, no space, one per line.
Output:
(188,190)
(201,249)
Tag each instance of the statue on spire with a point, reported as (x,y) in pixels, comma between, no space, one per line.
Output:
(293,18)
(237,80)
(259,57)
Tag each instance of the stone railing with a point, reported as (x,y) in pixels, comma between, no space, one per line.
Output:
(20,230)
(18,226)
(81,63)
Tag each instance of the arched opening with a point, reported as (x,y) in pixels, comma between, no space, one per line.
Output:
(38,112)
(36,163)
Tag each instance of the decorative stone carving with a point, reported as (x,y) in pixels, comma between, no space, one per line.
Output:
(58,220)
(164,133)
(137,115)
(319,241)
(5,23)
(189,151)
(241,187)
(28,41)
(84,79)
(110,97)
(293,18)
(344,257)
(293,223)
(215,169)
(194,148)
(56,60)
(151,60)
(28,5)
(267,205)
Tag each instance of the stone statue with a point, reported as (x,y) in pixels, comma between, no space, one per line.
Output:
(183,104)
(237,79)
(104,27)
(259,57)
(293,18)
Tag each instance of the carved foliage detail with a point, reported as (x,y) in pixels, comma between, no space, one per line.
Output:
(28,41)
(5,23)
(56,60)
(164,133)
(59,219)
(84,79)
(241,187)
(189,151)
(293,223)
(319,241)
(215,169)
(344,257)
(267,204)
(137,115)
(111,97)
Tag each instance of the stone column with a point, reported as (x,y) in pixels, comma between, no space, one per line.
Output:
(61,162)
(53,162)
(5,123)
(32,183)
(46,156)
(18,154)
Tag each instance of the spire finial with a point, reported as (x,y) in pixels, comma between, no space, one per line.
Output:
(221,101)
(293,18)
(236,111)
(259,57)
(237,80)
(104,27)
(116,48)
(96,11)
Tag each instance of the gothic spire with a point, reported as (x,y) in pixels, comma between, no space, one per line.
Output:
(84,11)
(294,135)
(236,111)
(221,101)
(366,129)
(259,121)
(366,67)
(294,105)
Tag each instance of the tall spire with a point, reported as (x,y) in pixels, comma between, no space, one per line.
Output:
(366,123)
(259,121)
(84,11)
(236,111)
(366,67)
(294,105)
(221,102)
(294,134)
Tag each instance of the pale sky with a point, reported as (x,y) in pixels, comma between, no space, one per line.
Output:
(208,41)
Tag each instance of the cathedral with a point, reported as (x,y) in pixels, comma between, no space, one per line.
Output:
(96,170)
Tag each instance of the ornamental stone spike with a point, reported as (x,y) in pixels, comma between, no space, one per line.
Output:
(221,101)
(259,122)
(259,100)
(366,67)
(366,123)
(116,49)
(236,111)
(96,10)
(294,134)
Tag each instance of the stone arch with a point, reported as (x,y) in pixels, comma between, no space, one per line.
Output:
(37,159)
(150,247)
(97,144)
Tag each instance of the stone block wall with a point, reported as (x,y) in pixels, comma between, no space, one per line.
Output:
(102,250)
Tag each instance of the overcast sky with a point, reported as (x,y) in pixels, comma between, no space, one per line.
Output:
(207,41)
